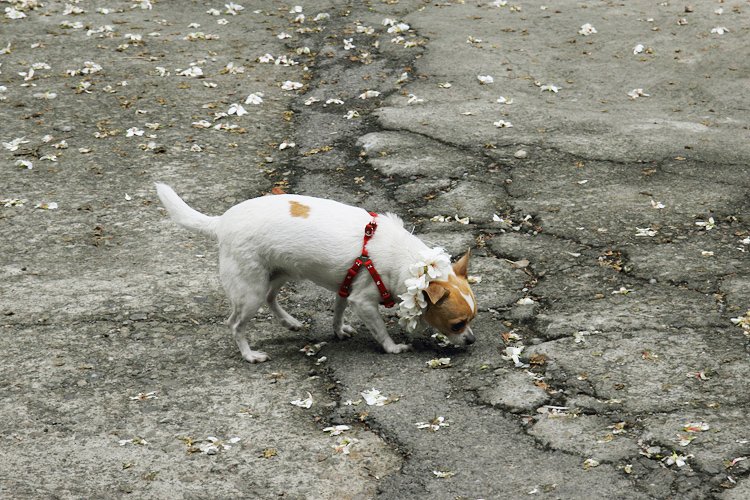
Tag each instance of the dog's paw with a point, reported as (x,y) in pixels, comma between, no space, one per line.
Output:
(398,348)
(345,332)
(292,324)
(255,357)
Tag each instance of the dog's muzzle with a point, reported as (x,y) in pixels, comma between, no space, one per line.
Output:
(469,337)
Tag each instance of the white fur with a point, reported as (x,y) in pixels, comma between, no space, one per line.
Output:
(261,246)
(469,300)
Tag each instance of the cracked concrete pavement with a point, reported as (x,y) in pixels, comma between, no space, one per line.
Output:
(609,237)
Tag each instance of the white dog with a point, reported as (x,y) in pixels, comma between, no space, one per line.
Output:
(267,241)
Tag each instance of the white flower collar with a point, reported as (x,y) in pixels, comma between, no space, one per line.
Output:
(435,265)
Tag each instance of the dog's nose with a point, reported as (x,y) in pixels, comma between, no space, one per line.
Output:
(470,338)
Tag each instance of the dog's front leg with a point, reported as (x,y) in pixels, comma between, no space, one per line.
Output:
(341,330)
(369,313)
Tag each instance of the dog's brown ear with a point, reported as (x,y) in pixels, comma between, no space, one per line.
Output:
(436,292)
(461,266)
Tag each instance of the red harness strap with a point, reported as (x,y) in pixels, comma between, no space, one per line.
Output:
(364,260)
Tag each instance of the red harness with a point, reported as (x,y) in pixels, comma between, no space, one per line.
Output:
(364,260)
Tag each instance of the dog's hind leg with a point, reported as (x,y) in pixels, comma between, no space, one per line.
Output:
(341,330)
(246,298)
(238,322)
(286,319)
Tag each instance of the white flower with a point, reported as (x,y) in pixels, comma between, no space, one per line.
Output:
(707,225)
(502,124)
(311,100)
(285,145)
(587,30)
(290,85)
(201,124)
(25,164)
(193,72)
(255,99)
(13,13)
(344,444)
(304,403)
(513,353)
(323,16)
(638,49)
(434,425)
(578,336)
(369,93)
(439,363)
(143,4)
(719,30)
(52,205)
(589,463)
(645,231)
(233,69)
(334,101)
(336,429)
(283,35)
(485,79)
(657,205)
(414,99)
(133,131)
(285,61)
(549,88)
(236,109)
(398,28)
(435,265)
(622,291)
(15,143)
(135,440)
(143,396)
(266,58)
(742,321)
(443,474)
(373,397)
(503,100)
(351,114)
(636,93)
(233,9)
(696,427)
(675,459)
(348,45)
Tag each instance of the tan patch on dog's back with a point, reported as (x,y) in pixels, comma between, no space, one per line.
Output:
(297,209)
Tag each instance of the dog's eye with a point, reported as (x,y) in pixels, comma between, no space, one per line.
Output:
(457,327)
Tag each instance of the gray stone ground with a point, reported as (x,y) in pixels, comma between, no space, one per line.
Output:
(611,236)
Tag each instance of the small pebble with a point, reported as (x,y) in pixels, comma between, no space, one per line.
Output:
(520,154)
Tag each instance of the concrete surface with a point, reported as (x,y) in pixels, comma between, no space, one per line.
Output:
(611,236)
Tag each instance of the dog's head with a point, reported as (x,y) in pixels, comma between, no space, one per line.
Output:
(451,305)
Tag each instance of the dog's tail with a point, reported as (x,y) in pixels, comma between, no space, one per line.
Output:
(182,214)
